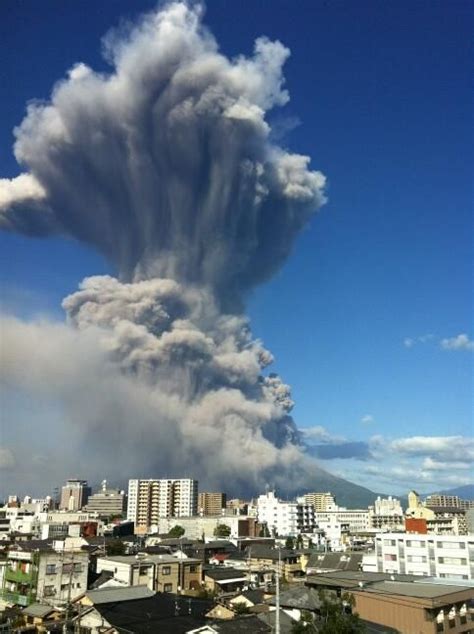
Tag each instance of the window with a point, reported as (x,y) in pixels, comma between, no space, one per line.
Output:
(452,545)
(388,542)
(50,569)
(389,557)
(77,567)
(168,587)
(453,561)
(166,570)
(48,591)
(417,559)
(192,568)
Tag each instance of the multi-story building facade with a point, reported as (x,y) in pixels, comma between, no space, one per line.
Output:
(357,520)
(445,556)
(161,573)
(43,575)
(212,503)
(284,518)
(451,501)
(107,502)
(386,514)
(74,494)
(320,501)
(150,500)
(449,520)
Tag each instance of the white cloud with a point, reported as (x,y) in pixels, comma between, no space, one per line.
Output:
(436,465)
(409,342)
(7,459)
(320,434)
(23,187)
(460,342)
(367,419)
(450,448)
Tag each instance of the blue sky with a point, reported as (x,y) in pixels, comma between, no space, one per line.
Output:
(363,318)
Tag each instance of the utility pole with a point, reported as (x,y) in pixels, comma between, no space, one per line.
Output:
(277,615)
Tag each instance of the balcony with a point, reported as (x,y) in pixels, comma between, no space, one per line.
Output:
(16,598)
(18,576)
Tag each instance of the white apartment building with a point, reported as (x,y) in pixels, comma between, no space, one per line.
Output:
(386,514)
(356,519)
(445,556)
(150,500)
(284,518)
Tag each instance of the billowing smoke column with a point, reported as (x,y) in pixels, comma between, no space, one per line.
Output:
(166,166)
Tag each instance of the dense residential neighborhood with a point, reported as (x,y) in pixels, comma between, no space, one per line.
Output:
(165,557)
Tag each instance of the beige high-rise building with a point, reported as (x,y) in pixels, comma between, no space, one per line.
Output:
(451,501)
(320,501)
(74,494)
(150,500)
(212,503)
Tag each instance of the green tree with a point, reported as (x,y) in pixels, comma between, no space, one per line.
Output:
(221,530)
(334,619)
(176,531)
(115,547)
(290,543)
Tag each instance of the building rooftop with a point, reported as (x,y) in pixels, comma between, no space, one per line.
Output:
(161,612)
(300,597)
(417,590)
(336,561)
(242,625)
(222,573)
(38,609)
(114,595)
(261,551)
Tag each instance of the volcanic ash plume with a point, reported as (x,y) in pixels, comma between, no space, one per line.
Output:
(166,166)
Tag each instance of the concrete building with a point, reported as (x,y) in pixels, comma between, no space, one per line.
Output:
(356,519)
(320,501)
(196,527)
(150,500)
(451,501)
(284,518)
(38,573)
(446,520)
(386,514)
(444,556)
(74,494)
(212,503)
(401,603)
(107,502)
(238,507)
(161,573)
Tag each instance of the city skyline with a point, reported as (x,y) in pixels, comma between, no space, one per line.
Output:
(370,318)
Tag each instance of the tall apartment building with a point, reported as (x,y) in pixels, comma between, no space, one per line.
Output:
(212,503)
(74,494)
(149,500)
(451,501)
(320,501)
(445,556)
(284,518)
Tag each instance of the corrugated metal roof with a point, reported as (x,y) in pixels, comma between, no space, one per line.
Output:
(112,595)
